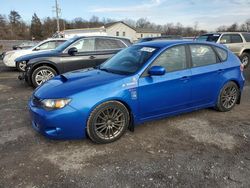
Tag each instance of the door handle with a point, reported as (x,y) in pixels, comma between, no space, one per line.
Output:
(220,70)
(185,78)
(92,57)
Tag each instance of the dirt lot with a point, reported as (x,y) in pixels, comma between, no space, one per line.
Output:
(200,149)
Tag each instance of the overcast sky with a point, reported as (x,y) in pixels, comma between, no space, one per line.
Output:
(208,13)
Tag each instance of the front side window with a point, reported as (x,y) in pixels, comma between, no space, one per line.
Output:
(84,45)
(109,44)
(129,60)
(225,39)
(48,45)
(172,59)
(202,55)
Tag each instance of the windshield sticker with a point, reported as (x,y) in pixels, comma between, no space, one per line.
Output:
(147,49)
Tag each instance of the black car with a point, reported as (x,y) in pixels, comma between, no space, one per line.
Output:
(164,37)
(76,53)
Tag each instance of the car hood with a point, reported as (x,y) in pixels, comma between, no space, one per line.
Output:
(28,57)
(71,83)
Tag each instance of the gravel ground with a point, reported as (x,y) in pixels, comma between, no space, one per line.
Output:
(199,149)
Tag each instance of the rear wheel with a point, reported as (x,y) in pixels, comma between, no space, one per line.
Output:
(245,58)
(228,97)
(42,74)
(108,122)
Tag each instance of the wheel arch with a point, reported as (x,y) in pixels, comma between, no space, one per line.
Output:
(123,102)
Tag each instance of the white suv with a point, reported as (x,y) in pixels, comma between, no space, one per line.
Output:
(10,56)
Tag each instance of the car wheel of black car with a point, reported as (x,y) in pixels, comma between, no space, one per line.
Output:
(21,66)
(108,122)
(228,97)
(245,58)
(42,74)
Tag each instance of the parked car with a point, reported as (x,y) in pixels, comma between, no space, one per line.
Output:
(10,56)
(237,42)
(76,53)
(24,45)
(144,82)
(165,37)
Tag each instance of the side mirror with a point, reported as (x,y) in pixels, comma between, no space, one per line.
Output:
(157,71)
(37,48)
(223,41)
(72,51)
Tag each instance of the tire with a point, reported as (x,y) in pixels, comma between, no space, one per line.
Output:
(44,73)
(228,97)
(245,59)
(21,66)
(107,118)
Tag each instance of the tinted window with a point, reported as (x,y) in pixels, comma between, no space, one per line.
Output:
(209,38)
(225,39)
(222,53)
(202,55)
(48,45)
(172,59)
(85,45)
(236,38)
(129,60)
(108,44)
(246,36)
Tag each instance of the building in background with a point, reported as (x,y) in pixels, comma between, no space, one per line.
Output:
(118,29)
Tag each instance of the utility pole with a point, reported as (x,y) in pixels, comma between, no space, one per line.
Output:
(58,11)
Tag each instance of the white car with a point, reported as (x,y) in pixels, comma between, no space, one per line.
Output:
(10,56)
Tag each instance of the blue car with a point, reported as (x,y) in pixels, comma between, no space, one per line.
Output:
(144,82)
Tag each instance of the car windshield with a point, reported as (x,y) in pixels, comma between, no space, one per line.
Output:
(129,60)
(209,38)
(64,45)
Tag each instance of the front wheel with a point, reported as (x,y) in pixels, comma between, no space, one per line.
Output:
(21,66)
(228,97)
(42,74)
(245,58)
(108,122)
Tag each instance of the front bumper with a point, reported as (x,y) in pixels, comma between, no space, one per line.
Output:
(65,123)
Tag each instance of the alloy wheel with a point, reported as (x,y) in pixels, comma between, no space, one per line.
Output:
(22,65)
(43,76)
(109,123)
(229,97)
(245,60)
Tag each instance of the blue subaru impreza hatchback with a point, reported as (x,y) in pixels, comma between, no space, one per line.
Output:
(144,82)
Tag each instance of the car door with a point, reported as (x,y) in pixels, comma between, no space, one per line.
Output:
(207,72)
(106,48)
(169,93)
(233,41)
(83,58)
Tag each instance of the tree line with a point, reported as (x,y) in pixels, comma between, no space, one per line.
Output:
(12,27)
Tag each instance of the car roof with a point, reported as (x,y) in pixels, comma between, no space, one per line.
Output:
(53,39)
(164,44)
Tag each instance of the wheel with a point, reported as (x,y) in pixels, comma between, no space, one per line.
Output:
(245,58)
(41,75)
(108,122)
(228,97)
(21,66)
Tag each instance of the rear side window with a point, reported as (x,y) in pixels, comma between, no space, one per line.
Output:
(172,59)
(246,36)
(236,38)
(202,55)
(109,44)
(222,53)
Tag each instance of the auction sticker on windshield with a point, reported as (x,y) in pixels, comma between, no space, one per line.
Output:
(147,49)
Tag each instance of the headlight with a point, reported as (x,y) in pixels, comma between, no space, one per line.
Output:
(55,103)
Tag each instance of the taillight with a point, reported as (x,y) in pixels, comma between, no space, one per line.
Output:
(242,67)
